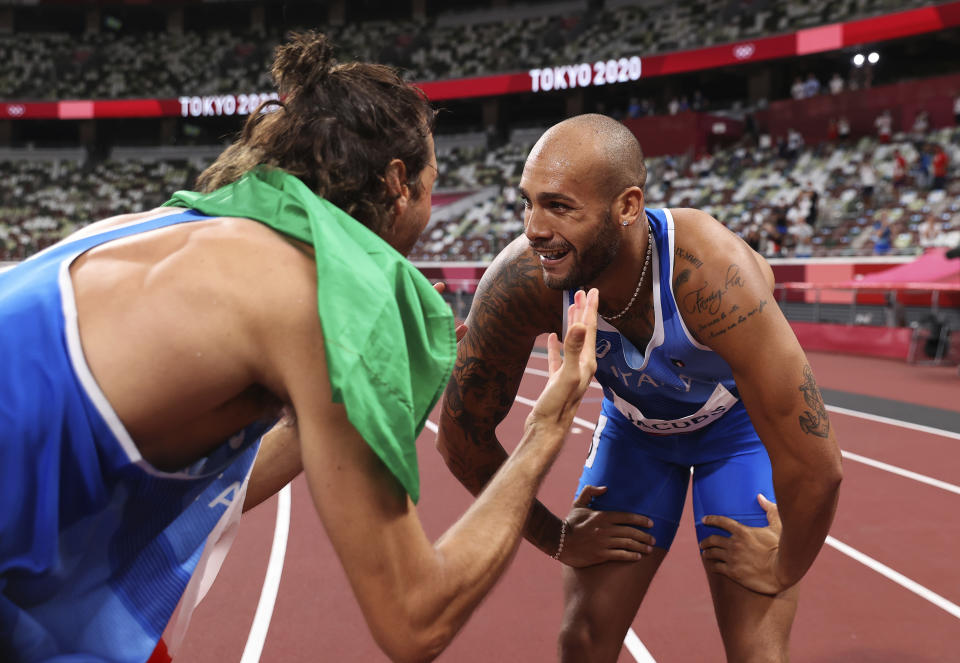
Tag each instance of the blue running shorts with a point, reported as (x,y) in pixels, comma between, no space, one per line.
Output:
(648,474)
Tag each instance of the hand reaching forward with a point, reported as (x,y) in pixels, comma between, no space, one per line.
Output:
(594,537)
(749,555)
(570,374)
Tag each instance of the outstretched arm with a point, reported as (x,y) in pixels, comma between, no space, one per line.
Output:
(416,595)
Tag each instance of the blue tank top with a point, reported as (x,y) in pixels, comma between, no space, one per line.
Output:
(96,545)
(676,384)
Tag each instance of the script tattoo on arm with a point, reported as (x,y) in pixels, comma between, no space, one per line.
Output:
(709,300)
(813,421)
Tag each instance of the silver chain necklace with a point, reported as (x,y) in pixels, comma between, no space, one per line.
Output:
(640,282)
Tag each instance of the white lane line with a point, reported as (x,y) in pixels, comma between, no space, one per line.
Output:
(636,648)
(271,583)
(432,426)
(894,422)
(880,465)
(898,578)
(537,371)
(922,478)
(578,420)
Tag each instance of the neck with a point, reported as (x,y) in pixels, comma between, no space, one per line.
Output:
(624,280)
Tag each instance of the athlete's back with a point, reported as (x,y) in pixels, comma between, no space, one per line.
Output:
(96,543)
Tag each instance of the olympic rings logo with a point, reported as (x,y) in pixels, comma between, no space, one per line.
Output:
(15,110)
(744,51)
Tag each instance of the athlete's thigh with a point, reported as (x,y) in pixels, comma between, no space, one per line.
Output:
(728,483)
(754,627)
(639,477)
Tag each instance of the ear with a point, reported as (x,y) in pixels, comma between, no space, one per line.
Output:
(628,207)
(395,178)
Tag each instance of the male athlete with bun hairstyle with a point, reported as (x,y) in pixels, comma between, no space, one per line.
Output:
(699,371)
(144,357)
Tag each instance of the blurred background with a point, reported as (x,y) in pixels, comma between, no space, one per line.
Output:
(825,133)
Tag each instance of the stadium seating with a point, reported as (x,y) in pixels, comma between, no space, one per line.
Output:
(114,64)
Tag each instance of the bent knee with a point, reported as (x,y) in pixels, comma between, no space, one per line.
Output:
(583,641)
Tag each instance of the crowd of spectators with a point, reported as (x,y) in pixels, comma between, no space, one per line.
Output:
(43,201)
(837,198)
(113,63)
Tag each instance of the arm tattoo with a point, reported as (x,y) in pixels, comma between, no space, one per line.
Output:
(813,421)
(704,299)
(489,366)
(689,257)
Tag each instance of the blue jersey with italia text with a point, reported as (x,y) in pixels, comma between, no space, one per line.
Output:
(675,384)
(96,545)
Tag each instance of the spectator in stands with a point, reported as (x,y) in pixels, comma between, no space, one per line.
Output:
(836,83)
(881,234)
(794,144)
(801,235)
(938,167)
(921,125)
(634,109)
(673,107)
(811,86)
(868,181)
(884,126)
(698,103)
(813,204)
(928,232)
(798,90)
(900,169)
(922,170)
(843,128)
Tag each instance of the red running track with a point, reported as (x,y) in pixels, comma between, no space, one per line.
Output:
(848,611)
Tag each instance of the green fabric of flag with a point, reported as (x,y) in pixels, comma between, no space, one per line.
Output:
(389,336)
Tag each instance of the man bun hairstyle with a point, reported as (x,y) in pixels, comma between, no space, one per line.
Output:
(336,127)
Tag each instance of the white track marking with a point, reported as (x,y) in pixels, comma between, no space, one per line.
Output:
(636,648)
(432,426)
(898,578)
(894,422)
(578,420)
(271,583)
(537,371)
(922,478)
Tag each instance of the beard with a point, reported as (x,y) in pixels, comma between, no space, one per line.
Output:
(593,259)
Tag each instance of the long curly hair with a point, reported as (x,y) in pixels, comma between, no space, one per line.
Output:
(336,126)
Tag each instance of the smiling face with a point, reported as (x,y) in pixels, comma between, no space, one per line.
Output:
(568,216)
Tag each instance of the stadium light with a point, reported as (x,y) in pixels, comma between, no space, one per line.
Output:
(858,60)
(873,58)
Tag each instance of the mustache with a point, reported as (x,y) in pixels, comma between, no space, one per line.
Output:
(549,248)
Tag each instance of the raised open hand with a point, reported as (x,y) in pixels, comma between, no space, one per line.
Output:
(571,372)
